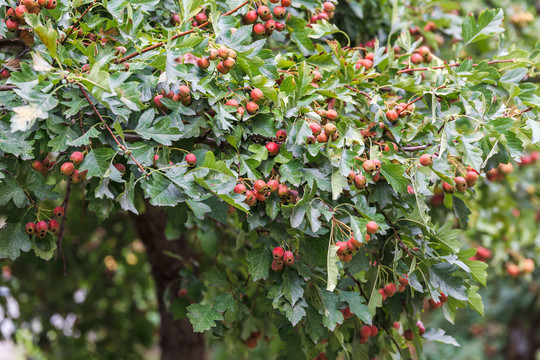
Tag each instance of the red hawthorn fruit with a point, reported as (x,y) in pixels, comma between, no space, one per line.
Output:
(260,186)
(281,135)
(76,157)
(273,185)
(75,177)
(20,11)
(288,258)
(273,148)
(37,165)
(322,137)
(58,211)
(11,14)
(434,304)
(512,269)
(277,265)
(410,189)
(286,3)
(343,248)
(120,167)
(280,27)
(315,128)
(250,198)
(392,116)
(157,101)
(372,227)
(377,164)
(311,140)
(51,4)
(256,95)
(221,68)
(396,325)
(175,19)
(201,18)
(347,314)
(426,160)
(42,227)
(443,298)
(408,334)
(250,18)
(263,11)
(203,63)
(471,178)
(535,156)
(270,25)
(449,189)
(374,330)
(370,56)
(252,108)
(261,196)
(259,29)
(390,289)
(191,160)
(240,112)
(350,246)
(67,168)
(421,328)
(5,73)
(12,25)
(30,228)
(277,253)
(328,6)
(383,293)
(184,91)
(416,58)
(229,63)
(283,191)
(528,266)
(368,166)
(232,102)
(404,280)
(357,244)
(323,16)
(223,52)
(330,129)
(360,181)
(317,77)
(292,197)
(54,226)
(240,189)
(213,54)
(461,183)
(347,257)
(82,174)
(331,114)
(350,177)
(365,331)
(363,340)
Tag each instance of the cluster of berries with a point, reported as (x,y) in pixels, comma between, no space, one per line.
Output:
(280,258)
(42,227)
(264,13)
(262,190)
(183,95)
(251,107)
(15,16)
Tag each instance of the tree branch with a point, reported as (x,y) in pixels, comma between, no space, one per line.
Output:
(76,22)
(415,148)
(63,224)
(404,71)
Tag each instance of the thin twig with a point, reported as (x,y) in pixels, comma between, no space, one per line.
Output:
(19,55)
(450,65)
(358,91)
(404,107)
(76,22)
(7,87)
(109,129)
(161,43)
(395,232)
(415,148)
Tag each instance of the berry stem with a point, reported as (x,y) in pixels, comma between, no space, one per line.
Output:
(360,92)
(76,22)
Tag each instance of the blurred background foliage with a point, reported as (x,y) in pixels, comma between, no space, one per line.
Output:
(105,306)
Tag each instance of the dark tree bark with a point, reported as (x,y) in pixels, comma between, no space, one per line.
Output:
(177,339)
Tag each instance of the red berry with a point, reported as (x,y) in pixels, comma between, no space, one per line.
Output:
(323,16)
(368,166)
(288,257)
(12,25)
(383,294)
(5,74)
(201,18)
(279,11)
(20,11)
(365,331)
(54,226)
(263,11)
(331,114)
(360,181)
(30,228)
(417,58)
(286,3)
(261,196)
(315,128)
(392,116)
(322,137)
(311,140)
(232,102)
(281,135)
(51,5)
(329,7)
(256,95)
(67,168)
(350,177)
(277,265)
(461,183)
(229,63)
(120,167)
(377,164)
(175,19)
(191,160)
(374,330)
(408,334)
(404,280)
(390,289)
(42,227)
(283,191)
(240,189)
(203,63)
(157,101)
(278,252)
(280,26)
(58,211)
(426,160)
(251,17)
(252,108)
(421,328)
(273,185)
(270,25)
(259,29)
(76,157)
(273,148)
(221,68)
(37,165)
(250,198)
(260,186)
(449,189)
(372,227)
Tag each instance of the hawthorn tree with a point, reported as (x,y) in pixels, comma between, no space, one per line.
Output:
(280,175)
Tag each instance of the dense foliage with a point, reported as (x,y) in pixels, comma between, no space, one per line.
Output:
(256,138)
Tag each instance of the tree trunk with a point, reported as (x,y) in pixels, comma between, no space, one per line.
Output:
(177,339)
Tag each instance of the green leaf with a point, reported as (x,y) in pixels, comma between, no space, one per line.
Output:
(13,240)
(394,174)
(478,270)
(357,306)
(10,190)
(97,162)
(203,317)
(489,23)
(475,300)
(211,163)
(439,336)
(338,183)
(535,127)
(48,37)
(441,277)
(331,315)
(161,131)
(259,261)
(332,270)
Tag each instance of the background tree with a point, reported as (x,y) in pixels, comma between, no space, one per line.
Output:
(289,187)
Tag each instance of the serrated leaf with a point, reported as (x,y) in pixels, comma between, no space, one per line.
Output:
(203,317)
(357,306)
(259,261)
(13,240)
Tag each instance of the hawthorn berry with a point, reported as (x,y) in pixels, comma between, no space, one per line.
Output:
(292,197)
(184,91)
(331,114)
(288,258)
(263,12)
(330,129)
(232,102)
(201,18)
(37,165)
(30,228)
(11,14)
(278,252)
(392,116)
(20,11)
(175,19)
(426,160)
(449,189)
(273,185)
(120,167)
(277,265)
(58,211)
(461,183)
(250,18)
(283,191)
(4,74)
(256,95)
(51,4)
(261,196)
(252,108)
(323,16)
(250,198)
(374,330)
(280,27)
(273,148)
(260,186)
(372,227)
(404,280)
(360,181)
(221,68)
(353,244)
(311,140)
(240,189)
(157,101)
(365,331)
(270,25)
(281,135)
(408,334)
(421,328)
(42,227)
(416,58)
(12,25)
(471,178)
(76,158)
(191,159)
(390,289)
(67,168)
(259,29)
(322,137)
(315,128)
(203,63)
(528,266)
(368,166)
(377,164)
(286,3)
(54,226)
(213,54)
